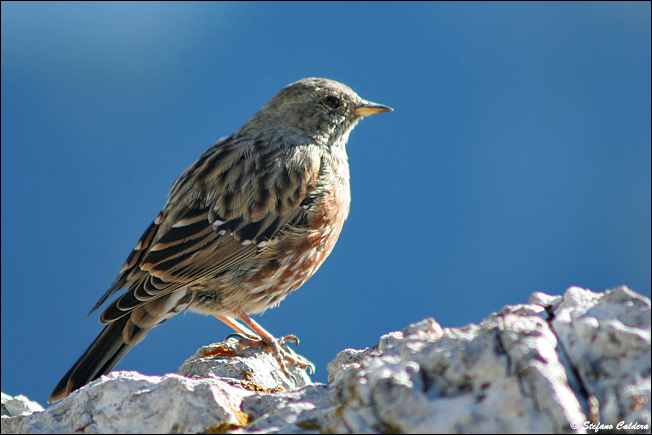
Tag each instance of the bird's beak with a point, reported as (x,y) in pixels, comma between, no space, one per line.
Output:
(368,108)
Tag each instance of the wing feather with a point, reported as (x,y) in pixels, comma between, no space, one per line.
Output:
(191,243)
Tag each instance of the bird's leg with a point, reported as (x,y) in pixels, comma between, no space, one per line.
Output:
(272,344)
(242,331)
(258,337)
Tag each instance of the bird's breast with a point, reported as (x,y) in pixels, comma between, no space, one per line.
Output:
(295,254)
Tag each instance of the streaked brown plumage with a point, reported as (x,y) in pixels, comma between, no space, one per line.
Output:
(249,222)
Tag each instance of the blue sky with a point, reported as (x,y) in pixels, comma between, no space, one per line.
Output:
(517,159)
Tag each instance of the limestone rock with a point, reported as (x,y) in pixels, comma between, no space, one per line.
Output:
(565,364)
(252,369)
(128,402)
(14,410)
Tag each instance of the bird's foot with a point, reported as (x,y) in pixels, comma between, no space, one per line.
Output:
(279,349)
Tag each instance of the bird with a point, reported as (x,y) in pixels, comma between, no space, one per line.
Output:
(245,225)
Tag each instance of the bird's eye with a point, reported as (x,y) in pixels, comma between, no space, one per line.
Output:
(332,102)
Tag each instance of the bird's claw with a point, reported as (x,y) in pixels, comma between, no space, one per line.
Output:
(281,353)
(292,339)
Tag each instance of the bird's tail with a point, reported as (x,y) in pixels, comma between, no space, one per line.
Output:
(101,356)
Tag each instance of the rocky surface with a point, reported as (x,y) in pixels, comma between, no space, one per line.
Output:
(14,410)
(566,364)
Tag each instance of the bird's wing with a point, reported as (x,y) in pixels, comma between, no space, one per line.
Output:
(189,244)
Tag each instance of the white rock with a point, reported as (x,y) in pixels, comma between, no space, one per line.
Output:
(250,368)
(14,410)
(555,364)
(128,402)
(19,405)
(607,339)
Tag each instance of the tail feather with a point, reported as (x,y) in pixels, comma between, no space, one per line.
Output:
(100,358)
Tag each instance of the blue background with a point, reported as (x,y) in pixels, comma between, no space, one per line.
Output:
(517,159)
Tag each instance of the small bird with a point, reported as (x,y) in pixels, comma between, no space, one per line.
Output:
(246,224)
